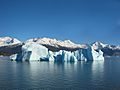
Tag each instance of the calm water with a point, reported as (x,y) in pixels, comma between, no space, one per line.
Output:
(97,75)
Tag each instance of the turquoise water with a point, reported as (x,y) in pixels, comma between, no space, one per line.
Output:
(97,75)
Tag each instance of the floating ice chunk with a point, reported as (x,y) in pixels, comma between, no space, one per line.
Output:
(31,52)
(88,54)
(13,57)
(58,56)
(51,56)
(68,56)
(79,55)
(97,54)
(34,51)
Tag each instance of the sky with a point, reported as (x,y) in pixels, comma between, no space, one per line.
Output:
(81,21)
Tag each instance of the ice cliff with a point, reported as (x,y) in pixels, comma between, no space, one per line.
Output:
(46,49)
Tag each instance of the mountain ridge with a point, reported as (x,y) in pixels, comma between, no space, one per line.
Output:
(56,45)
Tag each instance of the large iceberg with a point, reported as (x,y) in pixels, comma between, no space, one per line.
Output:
(32,51)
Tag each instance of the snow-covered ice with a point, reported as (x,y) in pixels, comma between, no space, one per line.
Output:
(33,51)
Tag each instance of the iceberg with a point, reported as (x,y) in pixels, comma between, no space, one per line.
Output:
(56,50)
(63,55)
(34,51)
(31,52)
(80,56)
(68,56)
(97,55)
(89,54)
(50,56)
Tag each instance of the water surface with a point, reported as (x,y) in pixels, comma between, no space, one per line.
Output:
(97,75)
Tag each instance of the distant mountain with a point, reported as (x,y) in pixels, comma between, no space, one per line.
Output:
(46,49)
(109,50)
(9,46)
(56,45)
(4,41)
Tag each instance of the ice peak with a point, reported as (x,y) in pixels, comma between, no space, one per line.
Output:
(8,40)
(99,44)
(58,44)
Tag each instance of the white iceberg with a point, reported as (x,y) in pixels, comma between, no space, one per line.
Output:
(97,54)
(68,56)
(33,51)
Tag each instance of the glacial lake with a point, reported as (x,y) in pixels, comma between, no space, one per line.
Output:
(96,75)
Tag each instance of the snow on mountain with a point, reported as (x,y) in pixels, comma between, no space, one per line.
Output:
(102,45)
(57,44)
(9,46)
(99,45)
(109,50)
(55,50)
(8,40)
(44,50)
